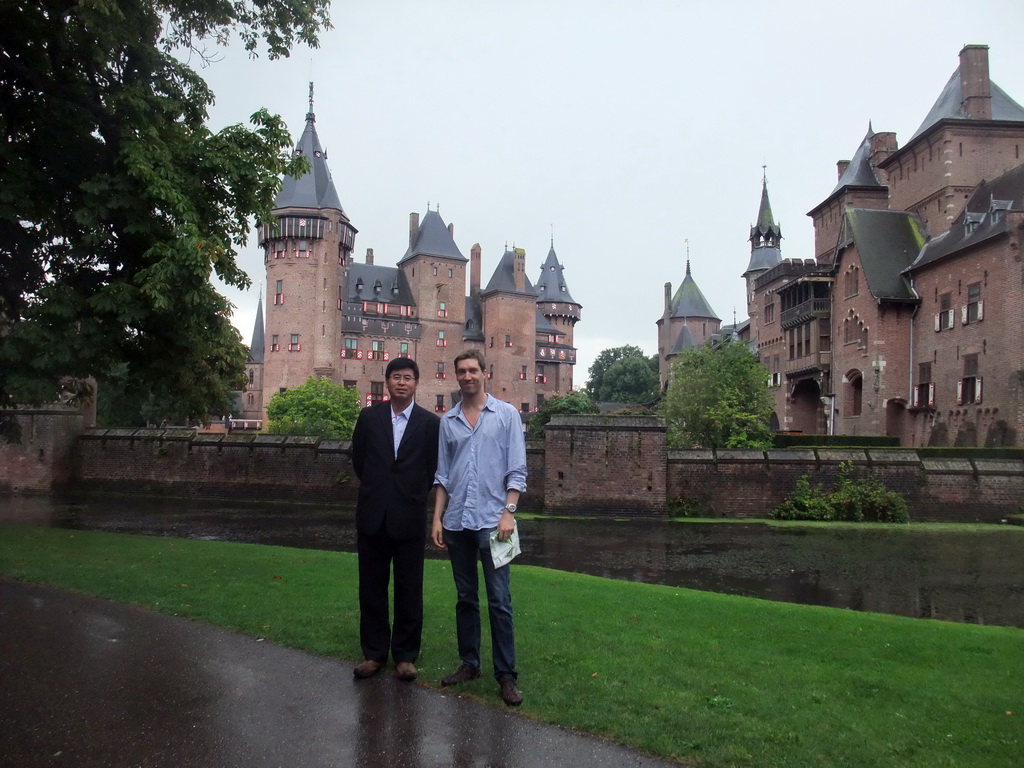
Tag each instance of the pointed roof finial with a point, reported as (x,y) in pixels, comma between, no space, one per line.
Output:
(552,235)
(310,117)
(687,241)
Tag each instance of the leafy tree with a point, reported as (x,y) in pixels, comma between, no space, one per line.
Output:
(318,407)
(630,380)
(627,383)
(577,402)
(718,398)
(118,203)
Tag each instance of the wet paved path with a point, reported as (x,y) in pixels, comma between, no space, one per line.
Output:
(94,684)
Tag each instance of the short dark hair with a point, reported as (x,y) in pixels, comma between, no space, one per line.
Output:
(401,364)
(474,354)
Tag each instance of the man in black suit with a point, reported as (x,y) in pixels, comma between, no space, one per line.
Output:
(394,455)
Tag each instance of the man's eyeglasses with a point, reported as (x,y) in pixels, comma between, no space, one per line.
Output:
(406,379)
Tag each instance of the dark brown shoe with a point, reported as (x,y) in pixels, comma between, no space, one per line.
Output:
(461,675)
(368,668)
(405,671)
(510,692)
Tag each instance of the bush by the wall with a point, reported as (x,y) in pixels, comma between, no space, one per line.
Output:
(852,499)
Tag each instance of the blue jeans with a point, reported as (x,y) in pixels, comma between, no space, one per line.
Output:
(465,548)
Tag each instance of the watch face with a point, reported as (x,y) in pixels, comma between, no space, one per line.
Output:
(511,508)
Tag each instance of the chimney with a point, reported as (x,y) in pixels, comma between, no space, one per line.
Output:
(369,256)
(882,145)
(451,230)
(841,167)
(474,270)
(975,86)
(519,268)
(414,228)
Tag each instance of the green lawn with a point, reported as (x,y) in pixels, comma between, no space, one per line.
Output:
(712,680)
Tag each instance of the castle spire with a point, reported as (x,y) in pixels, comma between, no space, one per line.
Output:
(314,189)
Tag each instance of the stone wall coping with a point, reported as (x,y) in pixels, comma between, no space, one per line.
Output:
(236,440)
(893,456)
(999,466)
(269,440)
(741,456)
(182,434)
(691,454)
(948,466)
(305,441)
(786,455)
(206,438)
(334,446)
(94,433)
(607,423)
(149,434)
(121,433)
(839,455)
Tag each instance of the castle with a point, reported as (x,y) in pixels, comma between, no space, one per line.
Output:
(908,320)
(332,317)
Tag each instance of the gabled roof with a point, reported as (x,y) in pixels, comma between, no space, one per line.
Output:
(256,348)
(371,282)
(983,218)
(551,283)
(887,242)
(504,280)
(314,189)
(949,105)
(689,301)
(433,239)
(859,172)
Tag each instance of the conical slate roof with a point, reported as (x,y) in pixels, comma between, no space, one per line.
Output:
(684,341)
(764,237)
(859,173)
(689,301)
(504,278)
(256,349)
(551,283)
(949,105)
(314,189)
(433,239)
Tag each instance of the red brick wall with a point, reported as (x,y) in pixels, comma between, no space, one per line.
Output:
(45,455)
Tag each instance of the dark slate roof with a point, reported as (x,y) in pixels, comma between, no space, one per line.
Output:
(551,283)
(949,105)
(474,327)
(256,348)
(544,325)
(434,239)
(371,282)
(684,341)
(887,242)
(982,218)
(504,279)
(689,301)
(314,189)
(764,237)
(859,172)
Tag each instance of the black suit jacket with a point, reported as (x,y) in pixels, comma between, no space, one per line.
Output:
(393,489)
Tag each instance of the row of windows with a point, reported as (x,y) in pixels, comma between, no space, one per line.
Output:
(971,312)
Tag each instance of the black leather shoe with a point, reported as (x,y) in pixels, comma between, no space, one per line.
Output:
(510,692)
(462,674)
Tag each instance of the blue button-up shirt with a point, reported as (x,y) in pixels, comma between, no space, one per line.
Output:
(477,466)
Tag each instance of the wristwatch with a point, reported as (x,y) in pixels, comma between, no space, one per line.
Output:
(511,508)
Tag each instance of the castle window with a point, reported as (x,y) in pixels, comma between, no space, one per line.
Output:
(524,407)
(435,271)
(274,345)
(944,318)
(508,340)
(279,293)
(376,392)
(294,345)
(923,395)
(351,350)
(403,349)
(440,374)
(852,282)
(490,372)
(251,376)
(769,313)
(442,309)
(441,340)
(450,273)
(303,249)
(968,389)
(377,351)
(439,404)
(974,309)
(522,374)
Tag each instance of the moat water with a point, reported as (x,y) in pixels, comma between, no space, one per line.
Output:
(974,576)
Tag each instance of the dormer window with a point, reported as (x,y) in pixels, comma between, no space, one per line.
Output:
(359,285)
(377,287)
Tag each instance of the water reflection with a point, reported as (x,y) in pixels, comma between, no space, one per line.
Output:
(974,577)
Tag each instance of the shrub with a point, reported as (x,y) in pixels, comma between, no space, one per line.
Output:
(852,500)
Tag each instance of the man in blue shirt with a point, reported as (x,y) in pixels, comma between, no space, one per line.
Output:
(481,470)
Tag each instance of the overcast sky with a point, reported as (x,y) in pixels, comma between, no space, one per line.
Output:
(626,127)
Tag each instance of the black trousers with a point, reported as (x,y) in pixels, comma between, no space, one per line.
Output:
(377,634)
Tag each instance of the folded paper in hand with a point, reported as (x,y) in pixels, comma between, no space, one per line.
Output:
(503,552)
